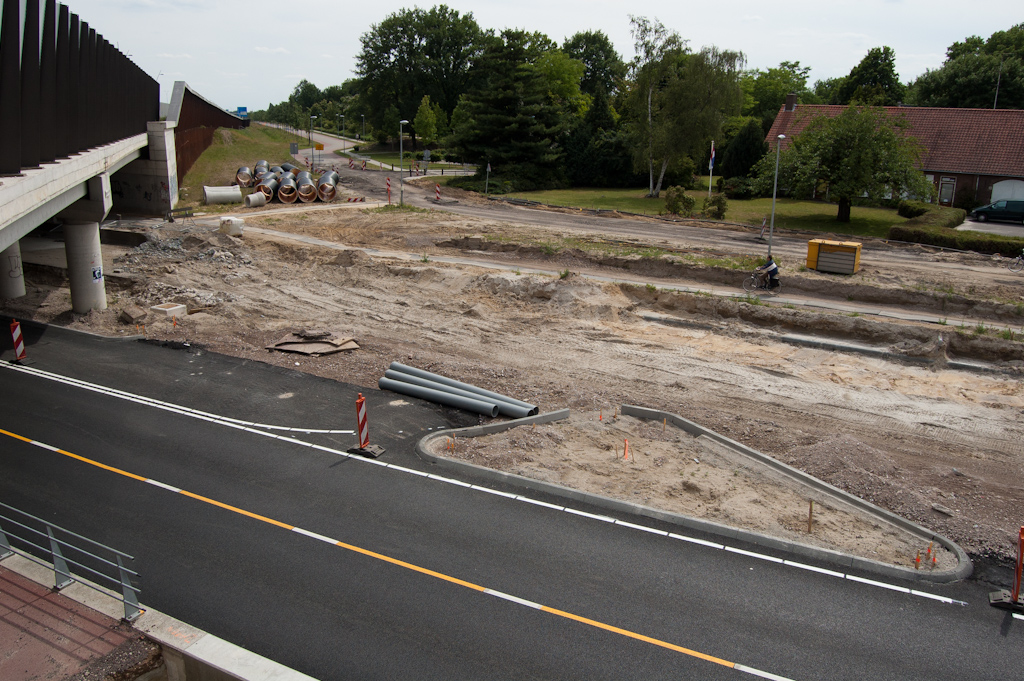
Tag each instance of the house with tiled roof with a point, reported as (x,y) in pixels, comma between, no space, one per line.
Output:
(973,156)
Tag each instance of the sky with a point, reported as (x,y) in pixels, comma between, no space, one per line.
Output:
(253,53)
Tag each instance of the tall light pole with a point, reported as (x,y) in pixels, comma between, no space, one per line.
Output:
(401,165)
(312,149)
(343,126)
(775,188)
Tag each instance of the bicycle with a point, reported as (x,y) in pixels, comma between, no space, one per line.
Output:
(759,281)
(1017,264)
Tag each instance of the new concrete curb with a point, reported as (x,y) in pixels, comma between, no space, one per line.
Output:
(962,571)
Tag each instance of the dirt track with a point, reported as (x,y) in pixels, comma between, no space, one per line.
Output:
(939,446)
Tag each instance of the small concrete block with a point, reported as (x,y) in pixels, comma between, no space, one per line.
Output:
(132,314)
(171,309)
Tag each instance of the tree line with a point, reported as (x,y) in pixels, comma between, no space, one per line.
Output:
(577,114)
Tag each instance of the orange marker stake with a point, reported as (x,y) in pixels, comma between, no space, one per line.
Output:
(917,561)
(625,450)
(600,415)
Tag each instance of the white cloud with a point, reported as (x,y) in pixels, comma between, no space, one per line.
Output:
(271,50)
(165,55)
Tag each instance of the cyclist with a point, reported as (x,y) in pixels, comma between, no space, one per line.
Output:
(770,271)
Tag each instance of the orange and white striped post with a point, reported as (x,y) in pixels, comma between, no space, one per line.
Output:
(437,193)
(364,431)
(19,341)
(389,191)
(1015,597)
(364,165)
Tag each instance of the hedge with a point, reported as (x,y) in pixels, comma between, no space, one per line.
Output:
(945,237)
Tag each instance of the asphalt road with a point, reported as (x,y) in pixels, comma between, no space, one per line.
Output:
(385,576)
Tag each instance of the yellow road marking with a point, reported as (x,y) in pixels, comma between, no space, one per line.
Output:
(393,561)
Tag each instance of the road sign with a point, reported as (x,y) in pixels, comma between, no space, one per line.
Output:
(319,146)
(293,148)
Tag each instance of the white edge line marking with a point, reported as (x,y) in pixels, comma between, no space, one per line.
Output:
(878,584)
(762,556)
(535,502)
(169,488)
(694,540)
(758,672)
(37,443)
(590,515)
(329,450)
(285,438)
(408,470)
(936,597)
(1018,617)
(314,535)
(493,491)
(507,597)
(812,568)
(449,480)
(641,527)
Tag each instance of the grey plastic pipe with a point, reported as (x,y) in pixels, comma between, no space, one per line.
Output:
(462,386)
(457,401)
(268,186)
(287,190)
(222,194)
(307,187)
(504,408)
(255,200)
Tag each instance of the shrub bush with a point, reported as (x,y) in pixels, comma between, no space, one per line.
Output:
(407,155)
(939,216)
(741,188)
(684,172)
(678,202)
(715,207)
(912,209)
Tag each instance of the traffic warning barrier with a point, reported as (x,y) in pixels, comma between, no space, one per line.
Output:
(389,190)
(355,199)
(19,341)
(352,163)
(437,193)
(363,429)
(364,164)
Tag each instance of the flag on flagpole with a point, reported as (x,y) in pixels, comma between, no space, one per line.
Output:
(711,163)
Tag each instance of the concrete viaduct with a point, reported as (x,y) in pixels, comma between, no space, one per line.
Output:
(81,135)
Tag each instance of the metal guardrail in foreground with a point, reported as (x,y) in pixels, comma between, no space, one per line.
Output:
(65,548)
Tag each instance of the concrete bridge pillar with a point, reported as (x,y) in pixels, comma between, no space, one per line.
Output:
(85,266)
(12,277)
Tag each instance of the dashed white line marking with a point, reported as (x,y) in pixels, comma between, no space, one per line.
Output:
(694,540)
(514,599)
(759,556)
(314,535)
(1018,617)
(595,516)
(812,568)
(408,470)
(450,481)
(758,672)
(169,488)
(642,528)
(494,491)
(536,502)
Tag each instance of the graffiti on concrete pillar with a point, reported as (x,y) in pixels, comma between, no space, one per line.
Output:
(15,267)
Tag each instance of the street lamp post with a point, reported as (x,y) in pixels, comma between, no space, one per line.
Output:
(343,126)
(775,188)
(401,165)
(312,149)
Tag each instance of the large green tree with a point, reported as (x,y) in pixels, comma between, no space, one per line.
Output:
(977,73)
(603,67)
(416,52)
(744,150)
(765,91)
(861,152)
(874,81)
(510,120)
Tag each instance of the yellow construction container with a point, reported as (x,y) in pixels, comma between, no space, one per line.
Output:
(841,257)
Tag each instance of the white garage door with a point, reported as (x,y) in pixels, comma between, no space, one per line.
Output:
(1008,189)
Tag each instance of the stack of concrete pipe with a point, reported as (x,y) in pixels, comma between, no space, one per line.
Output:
(327,186)
(287,182)
(433,387)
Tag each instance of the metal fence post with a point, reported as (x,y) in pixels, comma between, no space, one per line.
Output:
(5,546)
(131,601)
(60,566)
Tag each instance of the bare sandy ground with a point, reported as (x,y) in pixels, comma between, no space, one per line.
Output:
(939,446)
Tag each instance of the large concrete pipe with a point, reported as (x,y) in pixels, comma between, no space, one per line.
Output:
(85,266)
(291,168)
(222,194)
(255,200)
(307,187)
(243,177)
(504,408)
(287,190)
(12,276)
(259,170)
(395,366)
(277,169)
(457,401)
(268,186)
(327,186)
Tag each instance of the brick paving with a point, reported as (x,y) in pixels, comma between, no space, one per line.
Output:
(44,635)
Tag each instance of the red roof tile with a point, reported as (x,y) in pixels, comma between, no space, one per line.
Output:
(969,141)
